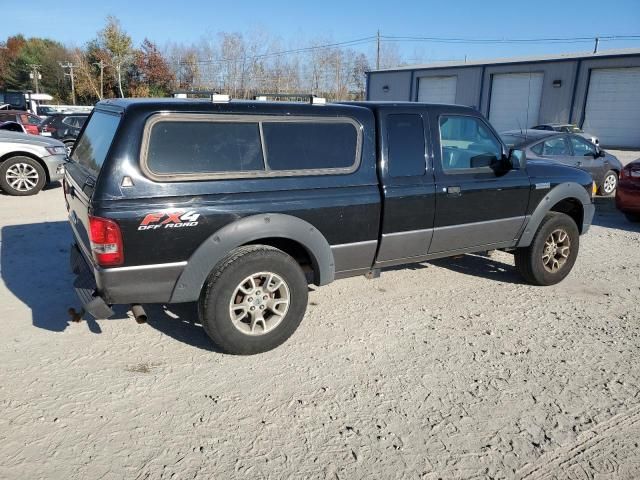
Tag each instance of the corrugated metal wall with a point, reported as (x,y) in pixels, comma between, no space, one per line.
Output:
(564,102)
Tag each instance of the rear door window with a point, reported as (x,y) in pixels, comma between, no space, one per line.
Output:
(555,147)
(94,143)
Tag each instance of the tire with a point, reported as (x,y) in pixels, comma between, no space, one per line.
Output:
(632,217)
(68,144)
(609,184)
(530,261)
(22,176)
(229,286)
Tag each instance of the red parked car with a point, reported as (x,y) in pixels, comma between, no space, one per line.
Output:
(628,192)
(29,121)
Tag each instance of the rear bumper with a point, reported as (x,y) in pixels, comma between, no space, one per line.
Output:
(628,198)
(86,288)
(126,285)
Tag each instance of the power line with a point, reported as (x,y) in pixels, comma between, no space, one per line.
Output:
(378,38)
(358,41)
(396,38)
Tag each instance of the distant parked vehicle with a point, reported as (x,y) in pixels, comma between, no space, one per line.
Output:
(628,193)
(12,127)
(569,149)
(567,128)
(28,163)
(64,127)
(29,121)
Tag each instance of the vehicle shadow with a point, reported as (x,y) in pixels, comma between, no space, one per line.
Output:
(608,216)
(34,266)
(48,186)
(180,322)
(481,265)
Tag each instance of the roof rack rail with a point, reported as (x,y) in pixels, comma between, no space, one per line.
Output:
(213,95)
(291,97)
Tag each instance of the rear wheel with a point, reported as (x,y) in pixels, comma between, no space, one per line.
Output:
(552,253)
(22,176)
(609,184)
(253,300)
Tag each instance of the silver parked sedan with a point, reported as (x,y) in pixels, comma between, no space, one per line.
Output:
(569,149)
(29,162)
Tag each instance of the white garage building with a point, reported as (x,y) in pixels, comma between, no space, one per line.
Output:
(599,92)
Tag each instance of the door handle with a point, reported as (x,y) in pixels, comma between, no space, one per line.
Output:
(453,191)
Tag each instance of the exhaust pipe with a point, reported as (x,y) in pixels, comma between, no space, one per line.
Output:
(138,313)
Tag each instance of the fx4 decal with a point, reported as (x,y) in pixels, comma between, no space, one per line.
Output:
(179,219)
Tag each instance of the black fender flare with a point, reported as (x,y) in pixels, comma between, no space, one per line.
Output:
(563,191)
(247,230)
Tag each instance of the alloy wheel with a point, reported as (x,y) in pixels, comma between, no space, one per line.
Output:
(22,177)
(259,303)
(556,251)
(609,184)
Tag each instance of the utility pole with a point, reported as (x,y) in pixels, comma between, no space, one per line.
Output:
(595,48)
(378,51)
(70,66)
(35,75)
(101,65)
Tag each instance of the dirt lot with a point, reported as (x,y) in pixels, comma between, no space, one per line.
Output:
(449,369)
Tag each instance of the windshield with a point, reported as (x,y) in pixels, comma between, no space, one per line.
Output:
(93,145)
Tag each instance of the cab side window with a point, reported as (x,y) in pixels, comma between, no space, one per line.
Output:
(467,143)
(582,147)
(405,134)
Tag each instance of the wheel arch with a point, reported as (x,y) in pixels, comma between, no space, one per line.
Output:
(569,198)
(291,234)
(10,155)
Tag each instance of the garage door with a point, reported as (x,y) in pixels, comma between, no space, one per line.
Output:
(437,89)
(515,100)
(613,107)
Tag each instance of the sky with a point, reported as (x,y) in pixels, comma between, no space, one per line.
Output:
(77,21)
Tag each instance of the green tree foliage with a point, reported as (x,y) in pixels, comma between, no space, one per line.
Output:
(20,54)
(118,44)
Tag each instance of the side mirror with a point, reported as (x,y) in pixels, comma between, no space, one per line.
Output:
(485,160)
(601,153)
(517,159)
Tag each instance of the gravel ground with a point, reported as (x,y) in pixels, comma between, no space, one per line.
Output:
(448,369)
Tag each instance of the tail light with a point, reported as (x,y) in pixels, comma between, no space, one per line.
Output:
(625,173)
(106,242)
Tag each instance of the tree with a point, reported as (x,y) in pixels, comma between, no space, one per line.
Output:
(150,71)
(118,45)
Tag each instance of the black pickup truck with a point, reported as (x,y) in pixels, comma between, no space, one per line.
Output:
(240,205)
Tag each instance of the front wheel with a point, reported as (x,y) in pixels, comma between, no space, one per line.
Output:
(254,300)
(552,253)
(22,176)
(609,184)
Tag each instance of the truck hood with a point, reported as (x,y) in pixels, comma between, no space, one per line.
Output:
(26,139)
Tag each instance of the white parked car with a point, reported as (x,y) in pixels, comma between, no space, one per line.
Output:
(29,162)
